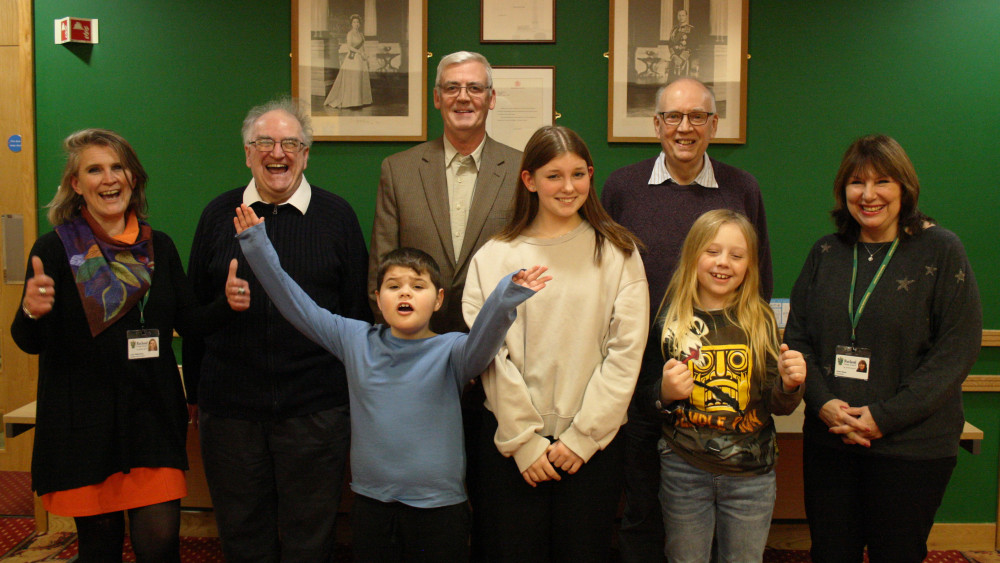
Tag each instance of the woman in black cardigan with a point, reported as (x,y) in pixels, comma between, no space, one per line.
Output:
(111,418)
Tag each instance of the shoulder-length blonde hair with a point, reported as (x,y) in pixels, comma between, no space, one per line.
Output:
(746,309)
(67,203)
(546,144)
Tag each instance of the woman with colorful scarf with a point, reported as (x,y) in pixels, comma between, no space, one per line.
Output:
(111,417)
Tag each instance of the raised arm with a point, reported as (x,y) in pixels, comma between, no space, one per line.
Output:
(316,323)
(473,354)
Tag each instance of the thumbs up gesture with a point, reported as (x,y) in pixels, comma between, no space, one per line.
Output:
(39,292)
(237,289)
(791,367)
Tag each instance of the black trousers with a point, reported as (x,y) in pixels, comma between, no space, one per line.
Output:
(276,485)
(855,500)
(393,531)
(641,538)
(569,520)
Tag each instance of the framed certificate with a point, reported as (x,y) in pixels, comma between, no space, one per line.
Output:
(526,100)
(517,21)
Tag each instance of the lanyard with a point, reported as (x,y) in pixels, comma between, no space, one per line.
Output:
(142,305)
(856,315)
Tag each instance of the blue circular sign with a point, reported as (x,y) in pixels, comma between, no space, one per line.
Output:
(14,143)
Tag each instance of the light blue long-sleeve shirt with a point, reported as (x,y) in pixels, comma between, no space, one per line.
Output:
(406,420)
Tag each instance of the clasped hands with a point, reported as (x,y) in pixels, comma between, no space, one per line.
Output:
(854,424)
(556,456)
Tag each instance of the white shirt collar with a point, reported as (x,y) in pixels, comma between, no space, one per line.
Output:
(450,151)
(705,178)
(300,199)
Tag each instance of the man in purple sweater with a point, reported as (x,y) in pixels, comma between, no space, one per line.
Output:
(659,199)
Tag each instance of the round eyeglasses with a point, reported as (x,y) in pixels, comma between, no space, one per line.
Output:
(694,118)
(266,144)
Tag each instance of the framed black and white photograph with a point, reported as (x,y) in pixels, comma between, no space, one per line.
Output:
(361,67)
(526,99)
(654,42)
(517,21)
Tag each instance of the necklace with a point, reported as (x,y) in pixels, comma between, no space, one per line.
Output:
(871,255)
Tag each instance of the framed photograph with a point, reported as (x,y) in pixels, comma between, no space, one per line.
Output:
(656,41)
(526,99)
(361,66)
(517,21)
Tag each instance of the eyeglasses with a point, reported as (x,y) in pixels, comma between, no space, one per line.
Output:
(266,144)
(694,117)
(474,89)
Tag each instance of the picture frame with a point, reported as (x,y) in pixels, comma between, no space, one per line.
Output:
(525,21)
(361,68)
(526,100)
(653,42)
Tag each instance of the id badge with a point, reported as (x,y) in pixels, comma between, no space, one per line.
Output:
(854,363)
(143,344)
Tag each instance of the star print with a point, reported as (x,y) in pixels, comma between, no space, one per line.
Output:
(904,284)
(960,276)
(931,270)
(825,248)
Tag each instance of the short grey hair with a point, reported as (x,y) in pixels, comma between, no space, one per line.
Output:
(293,107)
(460,57)
(659,93)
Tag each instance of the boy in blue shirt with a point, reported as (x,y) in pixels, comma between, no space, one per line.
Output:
(407,453)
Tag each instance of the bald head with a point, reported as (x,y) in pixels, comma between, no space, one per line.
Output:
(684,143)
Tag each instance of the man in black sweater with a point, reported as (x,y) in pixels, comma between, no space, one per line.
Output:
(272,406)
(659,199)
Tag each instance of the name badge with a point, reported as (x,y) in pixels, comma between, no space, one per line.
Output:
(143,344)
(853,363)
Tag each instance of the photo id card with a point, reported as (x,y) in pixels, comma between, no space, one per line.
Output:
(854,363)
(143,344)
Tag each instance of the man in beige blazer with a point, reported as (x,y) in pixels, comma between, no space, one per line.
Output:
(431,198)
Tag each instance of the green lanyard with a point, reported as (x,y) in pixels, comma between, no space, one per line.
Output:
(856,315)
(142,305)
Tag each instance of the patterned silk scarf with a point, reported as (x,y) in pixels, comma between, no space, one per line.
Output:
(111,276)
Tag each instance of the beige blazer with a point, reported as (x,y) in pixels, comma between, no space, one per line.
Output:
(412,210)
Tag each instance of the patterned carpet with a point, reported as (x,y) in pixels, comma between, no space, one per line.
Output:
(19,544)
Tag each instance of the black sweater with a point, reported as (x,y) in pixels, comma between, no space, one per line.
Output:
(259,367)
(98,412)
(923,324)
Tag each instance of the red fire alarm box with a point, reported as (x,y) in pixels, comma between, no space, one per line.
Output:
(76,30)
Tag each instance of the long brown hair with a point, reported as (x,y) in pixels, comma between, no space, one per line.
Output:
(882,155)
(548,143)
(67,203)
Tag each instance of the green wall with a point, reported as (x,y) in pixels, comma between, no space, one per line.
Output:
(176,78)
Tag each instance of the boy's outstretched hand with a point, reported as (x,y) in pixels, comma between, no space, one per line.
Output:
(245,218)
(530,278)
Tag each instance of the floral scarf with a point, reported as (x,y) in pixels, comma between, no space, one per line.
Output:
(110,275)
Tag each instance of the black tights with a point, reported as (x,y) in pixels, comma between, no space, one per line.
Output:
(154,529)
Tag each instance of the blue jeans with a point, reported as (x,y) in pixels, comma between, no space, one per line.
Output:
(699,505)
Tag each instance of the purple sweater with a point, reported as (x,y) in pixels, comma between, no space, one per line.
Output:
(662,215)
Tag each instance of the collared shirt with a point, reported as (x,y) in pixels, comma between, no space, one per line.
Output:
(705,178)
(461,177)
(300,199)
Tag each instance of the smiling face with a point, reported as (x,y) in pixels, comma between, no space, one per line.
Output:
(464,115)
(562,185)
(684,145)
(874,200)
(106,187)
(722,266)
(407,299)
(277,173)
